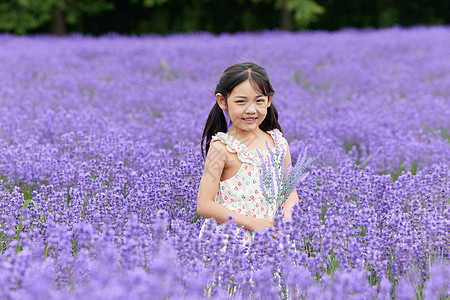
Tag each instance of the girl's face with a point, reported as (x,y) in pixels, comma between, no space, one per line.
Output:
(246,107)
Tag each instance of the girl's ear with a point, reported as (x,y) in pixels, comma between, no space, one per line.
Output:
(270,101)
(221,101)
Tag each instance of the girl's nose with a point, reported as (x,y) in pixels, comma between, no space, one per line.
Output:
(250,109)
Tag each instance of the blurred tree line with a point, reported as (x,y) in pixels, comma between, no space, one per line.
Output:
(167,16)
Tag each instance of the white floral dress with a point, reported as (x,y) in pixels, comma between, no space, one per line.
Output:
(242,192)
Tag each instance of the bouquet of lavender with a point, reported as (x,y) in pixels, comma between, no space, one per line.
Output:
(275,174)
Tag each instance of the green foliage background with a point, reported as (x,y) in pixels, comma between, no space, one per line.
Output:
(168,16)
(23,16)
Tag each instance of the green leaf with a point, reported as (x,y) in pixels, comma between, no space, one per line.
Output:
(151,3)
(22,16)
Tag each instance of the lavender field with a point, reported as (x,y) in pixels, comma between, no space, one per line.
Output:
(99,174)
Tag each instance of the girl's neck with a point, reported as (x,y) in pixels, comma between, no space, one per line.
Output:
(244,134)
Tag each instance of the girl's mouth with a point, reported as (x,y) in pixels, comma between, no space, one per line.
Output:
(249,120)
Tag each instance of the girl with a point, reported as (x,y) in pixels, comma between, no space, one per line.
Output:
(230,184)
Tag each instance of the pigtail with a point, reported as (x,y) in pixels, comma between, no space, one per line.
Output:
(271,120)
(215,123)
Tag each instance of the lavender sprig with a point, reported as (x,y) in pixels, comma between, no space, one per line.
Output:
(274,174)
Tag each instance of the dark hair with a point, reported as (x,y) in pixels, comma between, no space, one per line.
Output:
(231,77)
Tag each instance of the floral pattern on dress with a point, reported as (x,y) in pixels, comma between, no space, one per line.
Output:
(242,192)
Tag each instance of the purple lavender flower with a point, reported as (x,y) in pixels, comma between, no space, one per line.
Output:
(98,180)
(275,174)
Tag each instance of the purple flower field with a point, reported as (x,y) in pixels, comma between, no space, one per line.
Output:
(99,175)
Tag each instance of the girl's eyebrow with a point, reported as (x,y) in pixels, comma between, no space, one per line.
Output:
(245,97)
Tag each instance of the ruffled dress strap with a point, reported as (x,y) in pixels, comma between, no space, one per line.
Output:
(276,133)
(232,144)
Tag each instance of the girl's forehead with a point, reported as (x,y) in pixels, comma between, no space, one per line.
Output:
(248,88)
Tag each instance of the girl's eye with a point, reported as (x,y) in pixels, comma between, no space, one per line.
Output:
(242,101)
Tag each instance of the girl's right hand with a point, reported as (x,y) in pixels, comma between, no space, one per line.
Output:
(260,224)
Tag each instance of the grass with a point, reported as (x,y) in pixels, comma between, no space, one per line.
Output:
(402,169)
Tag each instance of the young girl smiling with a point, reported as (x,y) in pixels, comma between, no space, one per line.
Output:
(230,184)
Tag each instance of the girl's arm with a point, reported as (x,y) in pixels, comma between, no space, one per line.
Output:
(293,197)
(216,160)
